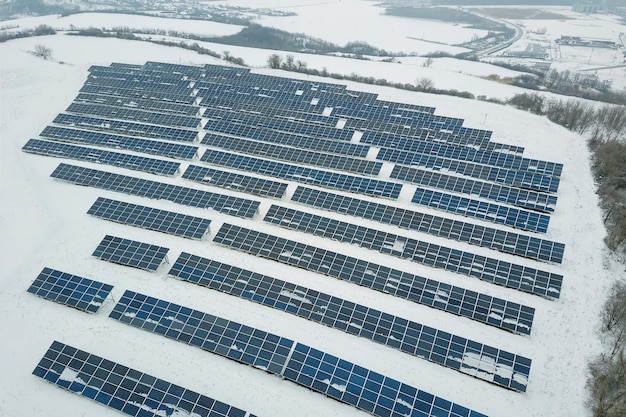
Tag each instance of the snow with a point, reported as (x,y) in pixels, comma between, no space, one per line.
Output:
(44,223)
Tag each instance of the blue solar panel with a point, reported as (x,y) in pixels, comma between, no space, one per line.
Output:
(124,113)
(98,156)
(130,253)
(298,173)
(127,128)
(465,263)
(138,94)
(332,376)
(72,290)
(522,179)
(159,106)
(125,389)
(496,213)
(231,180)
(234,206)
(457,300)
(484,362)
(404,150)
(88,137)
(291,154)
(504,241)
(150,218)
(505,194)
(255,126)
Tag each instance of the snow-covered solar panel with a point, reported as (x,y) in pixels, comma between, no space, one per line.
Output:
(130,253)
(99,156)
(123,388)
(499,193)
(501,240)
(149,146)
(78,292)
(234,206)
(294,155)
(233,181)
(125,113)
(457,300)
(369,186)
(127,128)
(337,378)
(485,362)
(495,213)
(176,224)
(498,175)
(159,106)
(139,94)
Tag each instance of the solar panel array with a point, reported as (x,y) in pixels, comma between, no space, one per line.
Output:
(448,350)
(337,378)
(501,193)
(509,242)
(245,127)
(495,213)
(234,206)
(130,253)
(306,175)
(310,257)
(78,292)
(81,153)
(88,137)
(123,388)
(231,180)
(150,218)
(291,154)
(127,128)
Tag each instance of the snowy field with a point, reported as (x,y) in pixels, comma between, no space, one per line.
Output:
(45,223)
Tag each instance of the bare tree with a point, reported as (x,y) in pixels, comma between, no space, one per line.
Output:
(425,84)
(274,61)
(42,51)
(427,63)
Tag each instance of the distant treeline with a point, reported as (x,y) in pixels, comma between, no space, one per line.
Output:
(40,30)
(505,2)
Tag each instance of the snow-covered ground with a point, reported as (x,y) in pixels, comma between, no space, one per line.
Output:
(44,223)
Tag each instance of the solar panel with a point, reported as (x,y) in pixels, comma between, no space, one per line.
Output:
(504,241)
(124,113)
(291,154)
(138,94)
(234,206)
(496,213)
(123,388)
(498,175)
(127,128)
(150,218)
(159,106)
(456,300)
(298,173)
(314,369)
(288,139)
(149,146)
(139,85)
(98,156)
(258,126)
(405,150)
(465,263)
(484,362)
(231,180)
(501,193)
(130,253)
(72,290)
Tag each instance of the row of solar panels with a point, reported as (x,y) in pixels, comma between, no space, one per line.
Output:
(446,349)
(525,180)
(196,173)
(238,97)
(485,362)
(508,242)
(496,312)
